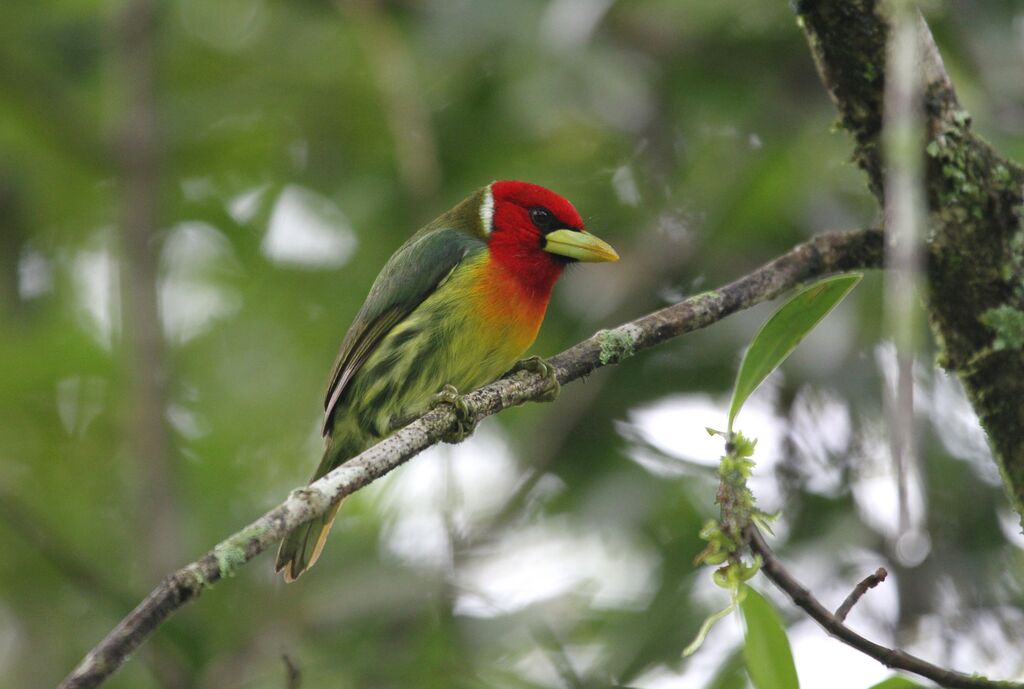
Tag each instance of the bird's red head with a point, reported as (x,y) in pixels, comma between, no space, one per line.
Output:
(534,233)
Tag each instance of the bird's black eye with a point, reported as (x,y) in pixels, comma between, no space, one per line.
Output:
(543,219)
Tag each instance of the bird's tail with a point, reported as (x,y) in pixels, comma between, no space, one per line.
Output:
(302,547)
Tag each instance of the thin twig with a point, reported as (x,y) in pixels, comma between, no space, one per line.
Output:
(866,584)
(890,657)
(292,673)
(823,255)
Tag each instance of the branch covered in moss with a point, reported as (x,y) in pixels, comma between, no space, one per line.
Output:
(822,255)
(833,623)
(975,198)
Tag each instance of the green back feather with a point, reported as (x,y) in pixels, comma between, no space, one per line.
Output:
(409,277)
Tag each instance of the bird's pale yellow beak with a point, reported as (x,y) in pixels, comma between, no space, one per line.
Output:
(579,245)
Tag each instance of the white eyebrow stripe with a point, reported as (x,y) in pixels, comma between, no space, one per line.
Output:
(487,211)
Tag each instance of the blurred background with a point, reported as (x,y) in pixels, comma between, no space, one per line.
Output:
(194,199)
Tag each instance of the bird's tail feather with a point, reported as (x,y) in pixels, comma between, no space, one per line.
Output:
(302,547)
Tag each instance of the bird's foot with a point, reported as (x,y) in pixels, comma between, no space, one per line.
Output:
(465,419)
(535,364)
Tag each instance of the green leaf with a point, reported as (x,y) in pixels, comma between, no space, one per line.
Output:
(897,682)
(766,646)
(781,333)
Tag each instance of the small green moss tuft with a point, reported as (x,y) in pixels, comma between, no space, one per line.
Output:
(954,173)
(253,532)
(229,558)
(1008,324)
(703,296)
(618,344)
(197,573)
(232,553)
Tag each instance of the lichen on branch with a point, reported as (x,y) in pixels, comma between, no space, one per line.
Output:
(975,241)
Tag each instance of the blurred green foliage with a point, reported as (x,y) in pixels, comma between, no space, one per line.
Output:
(300,143)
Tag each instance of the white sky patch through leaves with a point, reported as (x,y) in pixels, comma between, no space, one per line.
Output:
(308,230)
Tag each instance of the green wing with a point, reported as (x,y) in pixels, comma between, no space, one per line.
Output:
(410,276)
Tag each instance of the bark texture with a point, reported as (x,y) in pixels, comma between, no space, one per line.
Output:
(975,240)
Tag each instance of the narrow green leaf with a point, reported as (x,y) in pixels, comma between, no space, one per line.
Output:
(781,333)
(897,682)
(766,646)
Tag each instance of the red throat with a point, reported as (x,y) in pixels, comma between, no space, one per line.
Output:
(533,270)
(517,247)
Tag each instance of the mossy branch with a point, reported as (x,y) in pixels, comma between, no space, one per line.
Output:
(975,239)
(822,255)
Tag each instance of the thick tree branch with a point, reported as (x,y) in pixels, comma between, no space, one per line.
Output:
(890,657)
(822,255)
(975,196)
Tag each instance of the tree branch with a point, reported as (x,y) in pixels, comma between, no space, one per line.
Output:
(866,584)
(139,163)
(822,255)
(890,657)
(975,240)
(292,673)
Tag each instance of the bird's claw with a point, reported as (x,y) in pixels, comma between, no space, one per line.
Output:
(465,419)
(535,364)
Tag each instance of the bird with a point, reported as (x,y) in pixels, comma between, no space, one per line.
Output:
(453,309)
